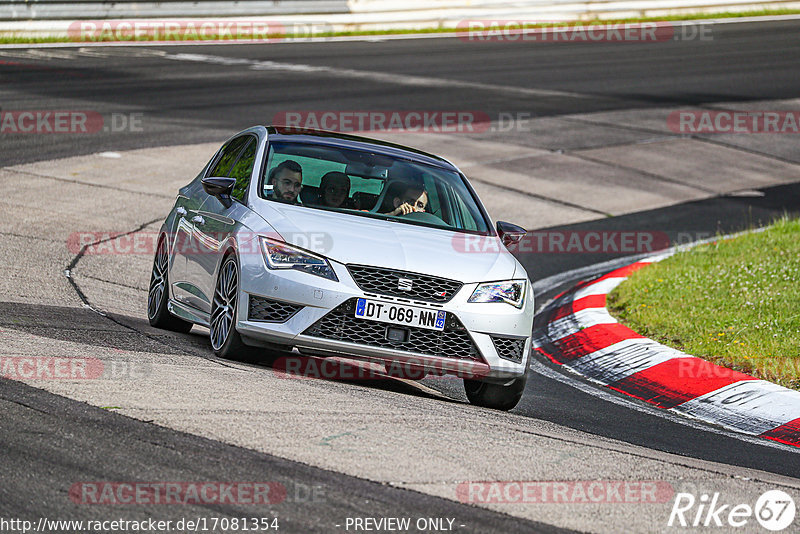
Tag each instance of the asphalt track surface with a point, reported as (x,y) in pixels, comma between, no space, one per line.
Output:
(48,440)
(70,441)
(202,101)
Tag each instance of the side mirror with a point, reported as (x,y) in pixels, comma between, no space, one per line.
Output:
(510,233)
(220,187)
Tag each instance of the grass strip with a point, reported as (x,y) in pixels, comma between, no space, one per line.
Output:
(735,302)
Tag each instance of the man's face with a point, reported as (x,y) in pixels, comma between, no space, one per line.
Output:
(287,185)
(415,198)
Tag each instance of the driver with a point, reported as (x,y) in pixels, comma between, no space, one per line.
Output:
(412,198)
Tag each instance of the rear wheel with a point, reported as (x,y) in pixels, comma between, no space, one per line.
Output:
(495,396)
(225,339)
(158,295)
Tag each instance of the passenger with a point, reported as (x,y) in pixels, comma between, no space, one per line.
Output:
(334,190)
(287,181)
(412,198)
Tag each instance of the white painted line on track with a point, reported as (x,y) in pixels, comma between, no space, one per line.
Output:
(373,76)
(278,66)
(631,404)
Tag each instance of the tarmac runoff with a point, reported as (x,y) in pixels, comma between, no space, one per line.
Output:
(396,432)
(576,331)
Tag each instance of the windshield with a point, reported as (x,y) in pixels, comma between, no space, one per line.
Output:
(365,184)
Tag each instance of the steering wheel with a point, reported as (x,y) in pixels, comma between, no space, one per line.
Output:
(423,216)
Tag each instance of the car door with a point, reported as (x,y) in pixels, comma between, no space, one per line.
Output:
(214,222)
(190,198)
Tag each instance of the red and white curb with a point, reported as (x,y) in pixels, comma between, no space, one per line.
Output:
(577,332)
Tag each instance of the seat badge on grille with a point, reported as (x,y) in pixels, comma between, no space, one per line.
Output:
(404,284)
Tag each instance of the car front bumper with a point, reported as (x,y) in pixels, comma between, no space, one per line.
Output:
(478,325)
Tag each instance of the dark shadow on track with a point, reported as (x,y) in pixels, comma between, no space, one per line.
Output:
(134,334)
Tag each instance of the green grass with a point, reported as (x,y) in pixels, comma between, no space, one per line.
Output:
(6,39)
(11,39)
(735,302)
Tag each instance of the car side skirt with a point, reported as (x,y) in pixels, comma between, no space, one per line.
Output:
(188,314)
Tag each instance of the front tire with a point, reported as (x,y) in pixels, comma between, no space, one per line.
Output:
(225,339)
(495,396)
(158,295)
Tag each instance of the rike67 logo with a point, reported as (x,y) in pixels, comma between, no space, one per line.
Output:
(774,510)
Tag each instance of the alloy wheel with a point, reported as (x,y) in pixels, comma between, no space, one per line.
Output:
(158,280)
(224,308)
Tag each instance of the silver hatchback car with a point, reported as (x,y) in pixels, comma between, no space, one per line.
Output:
(341,245)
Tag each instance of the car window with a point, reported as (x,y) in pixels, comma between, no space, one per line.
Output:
(467,218)
(228,155)
(243,169)
(313,168)
(364,184)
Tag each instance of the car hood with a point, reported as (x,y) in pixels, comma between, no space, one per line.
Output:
(365,241)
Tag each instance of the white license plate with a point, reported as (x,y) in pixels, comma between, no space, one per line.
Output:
(387,312)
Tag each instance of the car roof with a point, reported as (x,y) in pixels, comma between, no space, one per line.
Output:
(340,140)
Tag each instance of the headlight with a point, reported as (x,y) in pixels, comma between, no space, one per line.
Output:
(280,255)
(511,292)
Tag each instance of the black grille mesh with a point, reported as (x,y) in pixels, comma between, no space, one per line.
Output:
(342,325)
(385,282)
(274,311)
(509,348)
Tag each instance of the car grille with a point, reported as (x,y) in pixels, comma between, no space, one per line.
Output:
(388,281)
(509,348)
(273,311)
(342,325)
